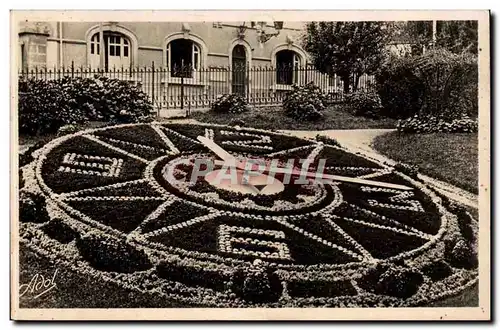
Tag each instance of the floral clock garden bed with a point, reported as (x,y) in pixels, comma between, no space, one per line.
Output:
(98,202)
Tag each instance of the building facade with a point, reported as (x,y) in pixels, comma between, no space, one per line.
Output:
(177,63)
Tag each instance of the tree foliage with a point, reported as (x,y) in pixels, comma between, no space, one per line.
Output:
(454,36)
(457,36)
(348,49)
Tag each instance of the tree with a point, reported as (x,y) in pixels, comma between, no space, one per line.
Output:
(348,49)
(457,36)
(416,33)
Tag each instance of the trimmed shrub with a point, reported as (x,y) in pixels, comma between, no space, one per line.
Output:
(327,140)
(437,270)
(304,102)
(399,282)
(256,285)
(462,255)
(60,231)
(230,103)
(45,106)
(409,169)
(67,129)
(364,102)
(111,254)
(32,208)
(432,124)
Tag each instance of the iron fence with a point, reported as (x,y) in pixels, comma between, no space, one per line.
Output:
(191,88)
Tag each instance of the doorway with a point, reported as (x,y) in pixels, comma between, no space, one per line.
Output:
(239,68)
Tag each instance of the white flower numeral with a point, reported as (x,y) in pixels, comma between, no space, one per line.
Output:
(97,165)
(399,197)
(252,140)
(229,236)
(209,133)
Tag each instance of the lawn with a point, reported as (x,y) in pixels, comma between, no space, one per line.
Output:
(273,118)
(449,157)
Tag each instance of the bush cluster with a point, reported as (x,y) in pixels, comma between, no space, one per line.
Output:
(432,124)
(399,89)
(304,102)
(438,83)
(230,103)
(47,105)
(364,102)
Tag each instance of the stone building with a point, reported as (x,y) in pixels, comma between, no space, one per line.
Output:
(193,61)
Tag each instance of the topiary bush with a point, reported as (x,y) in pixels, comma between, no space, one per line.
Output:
(111,254)
(409,169)
(432,124)
(304,102)
(32,207)
(47,105)
(364,102)
(67,129)
(462,255)
(327,140)
(399,282)
(57,229)
(230,103)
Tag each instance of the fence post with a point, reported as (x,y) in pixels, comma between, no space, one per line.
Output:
(248,81)
(307,68)
(72,69)
(153,83)
(182,90)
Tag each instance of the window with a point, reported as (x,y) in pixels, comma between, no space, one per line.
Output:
(183,58)
(116,50)
(94,44)
(24,62)
(287,65)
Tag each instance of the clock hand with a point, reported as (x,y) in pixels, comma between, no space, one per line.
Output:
(324,176)
(224,155)
(227,157)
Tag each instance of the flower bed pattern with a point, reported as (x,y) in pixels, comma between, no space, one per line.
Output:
(112,213)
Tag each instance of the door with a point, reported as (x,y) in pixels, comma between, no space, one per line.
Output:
(95,52)
(239,67)
(117,52)
(287,65)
